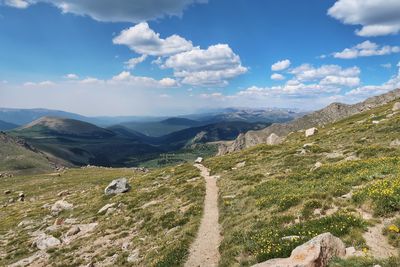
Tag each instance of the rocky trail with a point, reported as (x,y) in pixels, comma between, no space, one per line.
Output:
(204,251)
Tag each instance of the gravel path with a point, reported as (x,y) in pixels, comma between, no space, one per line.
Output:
(204,251)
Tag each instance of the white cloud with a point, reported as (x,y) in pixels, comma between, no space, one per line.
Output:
(213,66)
(39,84)
(307,72)
(281,65)
(71,76)
(16,3)
(117,10)
(366,49)
(277,77)
(377,17)
(340,81)
(386,65)
(143,40)
(168,82)
(131,63)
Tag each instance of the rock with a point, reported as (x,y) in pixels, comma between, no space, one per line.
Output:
(198,160)
(7,192)
(350,251)
(241,164)
(21,196)
(310,132)
(396,106)
(395,143)
(315,253)
(105,208)
(44,241)
(117,186)
(63,193)
(375,122)
(351,158)
(61,205)
(274,139)
(133,256)
(73,231)
(334,155)
(316,166)
(59,221)
(308,145)
(290,237)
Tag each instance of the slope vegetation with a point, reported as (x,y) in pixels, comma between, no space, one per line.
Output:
(343,180)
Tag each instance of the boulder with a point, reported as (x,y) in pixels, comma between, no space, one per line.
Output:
(198,160)
(117,186)
(44,241)
(396,106)
(310,132)
(61,205)
(315,253)
(274,139)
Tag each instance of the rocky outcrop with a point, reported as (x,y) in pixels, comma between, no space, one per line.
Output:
(273,139)
(117,186)
(315,253)
(330,114)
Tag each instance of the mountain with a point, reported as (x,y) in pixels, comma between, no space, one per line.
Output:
(228,130)
(16,156)
(330,114)
(4,126)
(65,127)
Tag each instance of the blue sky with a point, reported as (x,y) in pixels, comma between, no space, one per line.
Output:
(150,57)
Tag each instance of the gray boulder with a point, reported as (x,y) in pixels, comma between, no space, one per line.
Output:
(117,186)
(315,253)
(274,139)
(44,241)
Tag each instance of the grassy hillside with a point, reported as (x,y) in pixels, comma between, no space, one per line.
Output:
(154,223)
(269,192)
(17,157)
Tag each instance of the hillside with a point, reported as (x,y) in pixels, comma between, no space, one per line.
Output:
(17,157)
(4,126)
(330,114)
(343,180)
(64,127)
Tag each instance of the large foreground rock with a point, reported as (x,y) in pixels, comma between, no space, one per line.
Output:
(315,253)
(117,186)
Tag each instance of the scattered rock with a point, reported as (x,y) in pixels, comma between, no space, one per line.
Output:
(395,143)
(61,205)
(133,256)
(274,139)
(198,160)
(310,132)
(316,166)
(315,253)
(59,221)
(290,237)
(308,145)
(25,223)
(105,208)
(44,241)
(140,169)
(73,231)
(117,186)
(241,164)
(21,196)
(351,158)
(396,106)
(334,155)
(375,122)
(40,255)
(7,192)
(63,193)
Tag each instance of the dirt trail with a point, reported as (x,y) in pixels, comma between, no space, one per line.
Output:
(204,251)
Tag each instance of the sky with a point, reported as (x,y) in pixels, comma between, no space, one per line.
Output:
(169,57)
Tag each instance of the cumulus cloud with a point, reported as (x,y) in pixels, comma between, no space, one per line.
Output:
(115,11)
(143,40)
(131,63)
(16,3)
(213,66)
(277,77)
(281,65)
(386,65)
(328,74)
(366,49)
(377,17)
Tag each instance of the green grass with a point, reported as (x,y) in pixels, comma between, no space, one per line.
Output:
(277,194)
(162,230)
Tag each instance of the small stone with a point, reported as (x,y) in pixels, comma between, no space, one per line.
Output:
(396,106)
(350,251)
(73,231)
(316,166)
(133,256)
(310,132)
(63,193)
(198,160)
(106,207)
(7,192)
(59,221)
(375,122)
(61,205)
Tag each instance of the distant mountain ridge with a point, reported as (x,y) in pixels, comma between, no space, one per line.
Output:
(329,114)
(4,126)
